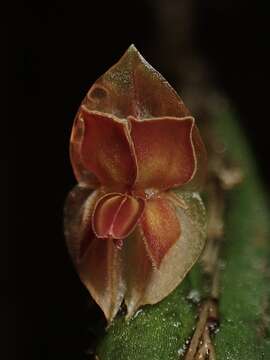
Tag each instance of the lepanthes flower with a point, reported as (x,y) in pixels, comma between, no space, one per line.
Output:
(134,224)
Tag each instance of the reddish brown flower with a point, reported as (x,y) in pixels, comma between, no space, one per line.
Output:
(131,235)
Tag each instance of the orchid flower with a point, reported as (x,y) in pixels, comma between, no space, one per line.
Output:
(134,224)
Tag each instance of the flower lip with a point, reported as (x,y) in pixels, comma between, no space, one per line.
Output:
(115,215)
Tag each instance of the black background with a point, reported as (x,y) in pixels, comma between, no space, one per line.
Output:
(58,50)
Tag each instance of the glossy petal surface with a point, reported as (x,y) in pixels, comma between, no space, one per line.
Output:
(116,215)
(160,228)
(164,151)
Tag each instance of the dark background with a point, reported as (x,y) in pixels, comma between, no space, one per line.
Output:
(57,51)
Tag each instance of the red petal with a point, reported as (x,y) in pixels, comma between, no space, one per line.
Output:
(164,151)
(106,149)
(160,227)
(116,215)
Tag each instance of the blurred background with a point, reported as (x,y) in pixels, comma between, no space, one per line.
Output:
(58,50)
